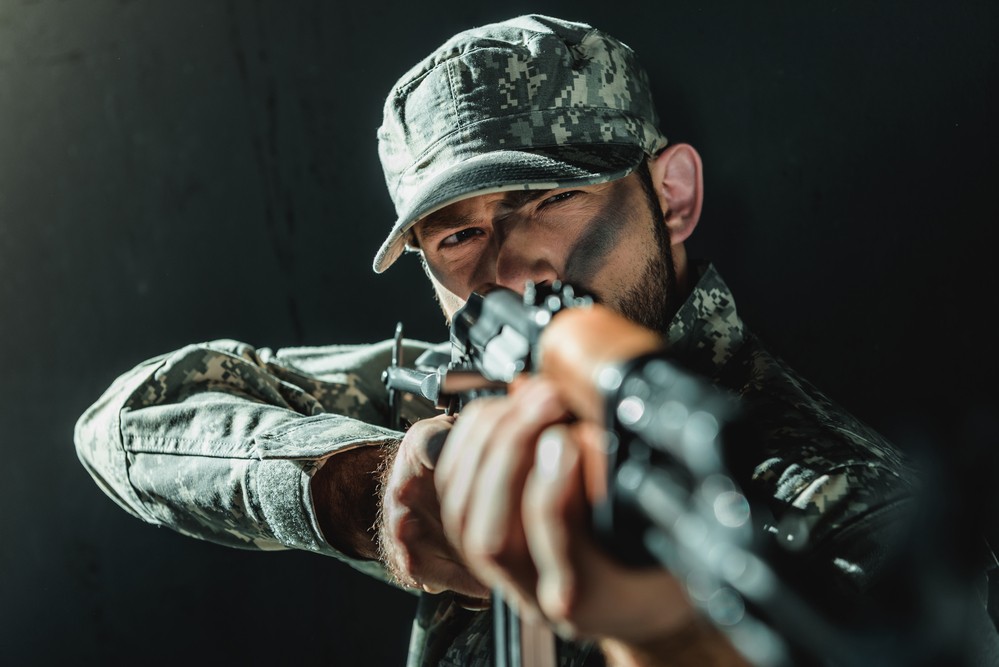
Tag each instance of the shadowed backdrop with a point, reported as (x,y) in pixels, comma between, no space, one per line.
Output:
(173,172)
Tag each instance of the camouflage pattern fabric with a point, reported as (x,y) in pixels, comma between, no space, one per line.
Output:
(533,102)
(219,441)
(824,471)
(447,635)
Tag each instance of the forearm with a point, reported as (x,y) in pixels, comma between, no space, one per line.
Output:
(209,441)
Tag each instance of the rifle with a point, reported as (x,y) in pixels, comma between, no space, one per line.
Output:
(664,496)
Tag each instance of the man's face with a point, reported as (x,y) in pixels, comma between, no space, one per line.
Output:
(607,239)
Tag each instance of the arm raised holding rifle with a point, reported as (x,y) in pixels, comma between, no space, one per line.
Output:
(582,464)
(582,476)
(527,150)
(521,472)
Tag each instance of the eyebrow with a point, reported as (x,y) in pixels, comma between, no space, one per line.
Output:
(518,198)
(443,220)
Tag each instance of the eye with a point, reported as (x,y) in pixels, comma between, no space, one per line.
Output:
(560,197)
(459,237)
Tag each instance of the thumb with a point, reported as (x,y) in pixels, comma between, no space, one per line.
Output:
(427,438)
(434,446)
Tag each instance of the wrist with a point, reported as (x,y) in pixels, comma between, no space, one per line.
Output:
(345,497)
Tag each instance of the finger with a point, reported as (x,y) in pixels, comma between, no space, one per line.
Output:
(474,420)
(580,589)
(553,508)
(487,422)
(456,471)
(472,603)
(435,563)
(452,575)
(411,538)
(434,432)
(436,571)
(465,431)
(418,555)
(493,540)
(434,447)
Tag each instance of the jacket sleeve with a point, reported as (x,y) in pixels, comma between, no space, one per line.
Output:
(219,441)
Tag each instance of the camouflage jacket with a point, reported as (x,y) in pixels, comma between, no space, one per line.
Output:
(219,441)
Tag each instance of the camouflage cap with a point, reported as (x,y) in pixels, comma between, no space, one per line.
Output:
(530,103)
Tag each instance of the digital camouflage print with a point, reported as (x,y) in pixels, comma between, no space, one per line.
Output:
(533,102)
(446,635)
(823,469)
(219,441)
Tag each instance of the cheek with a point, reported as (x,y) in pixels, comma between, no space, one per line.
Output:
(455,275)
(449,301)
(623,267)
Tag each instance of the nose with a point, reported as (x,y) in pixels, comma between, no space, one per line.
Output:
(524,253)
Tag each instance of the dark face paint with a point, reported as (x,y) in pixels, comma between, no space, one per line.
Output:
(650,301)
(589,254)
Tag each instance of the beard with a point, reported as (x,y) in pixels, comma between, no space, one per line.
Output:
(651,302)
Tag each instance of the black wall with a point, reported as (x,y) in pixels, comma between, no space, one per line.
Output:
(173,172)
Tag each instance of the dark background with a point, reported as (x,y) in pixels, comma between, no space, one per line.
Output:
(173,172)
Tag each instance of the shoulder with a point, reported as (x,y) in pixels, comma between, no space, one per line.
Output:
(838,490)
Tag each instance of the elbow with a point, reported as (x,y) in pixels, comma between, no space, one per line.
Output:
(97,439)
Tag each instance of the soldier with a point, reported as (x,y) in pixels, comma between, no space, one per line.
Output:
(525,150)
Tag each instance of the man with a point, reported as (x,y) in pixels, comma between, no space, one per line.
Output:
(525,150)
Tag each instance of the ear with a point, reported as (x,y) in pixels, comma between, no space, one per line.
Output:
(679,180)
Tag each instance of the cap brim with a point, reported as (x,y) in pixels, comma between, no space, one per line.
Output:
(541,168)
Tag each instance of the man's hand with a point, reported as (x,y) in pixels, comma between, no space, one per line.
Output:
(513,504)
(410,535)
